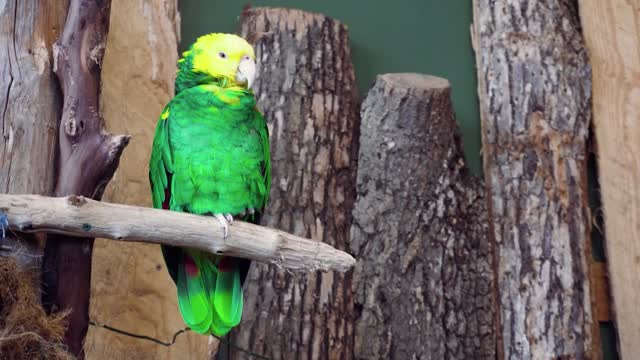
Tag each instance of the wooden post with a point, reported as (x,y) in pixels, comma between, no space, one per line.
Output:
(611,34)
(424,279)
(29,109)
(307,91)
(87,160)
(535,100)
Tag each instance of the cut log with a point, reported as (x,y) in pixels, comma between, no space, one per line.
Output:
(424,282)
(87,159)
(535,101)
(78,217)
(306,88)
(612,36)
(29,109)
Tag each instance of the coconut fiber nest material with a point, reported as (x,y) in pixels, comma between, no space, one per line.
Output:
(26,332)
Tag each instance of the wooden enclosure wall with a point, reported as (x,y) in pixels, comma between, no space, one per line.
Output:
(30,106)
(612,34)
(131,288)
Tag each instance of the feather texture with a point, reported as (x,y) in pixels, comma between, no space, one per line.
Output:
(210,155)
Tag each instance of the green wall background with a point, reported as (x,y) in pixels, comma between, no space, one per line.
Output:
(430,37)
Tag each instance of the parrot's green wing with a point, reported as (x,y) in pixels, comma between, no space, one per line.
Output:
(160,174)
(161,162)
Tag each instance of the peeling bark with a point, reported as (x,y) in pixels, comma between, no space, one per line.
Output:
(306,89)
(535,98)
(424,277)
(88,158)
(30,104)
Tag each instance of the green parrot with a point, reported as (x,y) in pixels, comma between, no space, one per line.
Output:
(211,157)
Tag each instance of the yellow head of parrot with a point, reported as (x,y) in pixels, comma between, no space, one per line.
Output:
(227,57)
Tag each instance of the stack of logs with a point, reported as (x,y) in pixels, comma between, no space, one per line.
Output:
(449,266)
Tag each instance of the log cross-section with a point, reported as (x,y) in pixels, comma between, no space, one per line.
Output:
(88,157)
(424,281)
(535,99)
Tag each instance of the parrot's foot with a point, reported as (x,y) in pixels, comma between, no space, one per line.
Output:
(225,220)
(247,211)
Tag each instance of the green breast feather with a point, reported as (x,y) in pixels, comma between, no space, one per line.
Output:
(214,144)
(210,156)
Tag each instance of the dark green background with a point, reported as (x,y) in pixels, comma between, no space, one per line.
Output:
(430,37)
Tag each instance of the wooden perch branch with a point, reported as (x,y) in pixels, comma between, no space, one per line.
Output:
(82,217)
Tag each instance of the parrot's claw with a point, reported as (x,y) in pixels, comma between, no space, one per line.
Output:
(225,220)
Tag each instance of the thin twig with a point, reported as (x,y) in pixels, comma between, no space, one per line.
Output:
(173,340)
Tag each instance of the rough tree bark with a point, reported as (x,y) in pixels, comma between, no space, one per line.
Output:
(87,160)
(535,98)
(30,104)
(421,217)
(306,89)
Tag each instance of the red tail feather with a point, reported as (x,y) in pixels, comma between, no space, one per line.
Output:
(190,266)
(226,264)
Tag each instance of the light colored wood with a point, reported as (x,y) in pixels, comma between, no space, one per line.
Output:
(534,90)
(29,108)
(130,286)
(612,33)
(81,217)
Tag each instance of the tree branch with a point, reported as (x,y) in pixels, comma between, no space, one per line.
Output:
(81,217)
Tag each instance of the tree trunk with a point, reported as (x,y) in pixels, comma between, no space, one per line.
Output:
(613,39)
(535,98)
(424,275)
(306,89)
(30,104)
(88,158)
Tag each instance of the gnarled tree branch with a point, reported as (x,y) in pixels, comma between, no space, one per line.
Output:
(88,158)
(81,217)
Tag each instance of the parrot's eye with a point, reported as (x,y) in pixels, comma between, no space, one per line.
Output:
(222,54)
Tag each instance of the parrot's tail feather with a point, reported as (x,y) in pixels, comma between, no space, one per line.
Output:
(209,292)
(227,299)
(192,296)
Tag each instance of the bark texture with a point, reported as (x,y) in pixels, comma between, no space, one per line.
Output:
(424,278)
(30,107)
(87,159)
(535,98)
(306,88)
(612,35)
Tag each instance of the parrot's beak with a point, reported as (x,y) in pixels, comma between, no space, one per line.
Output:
(246,71)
